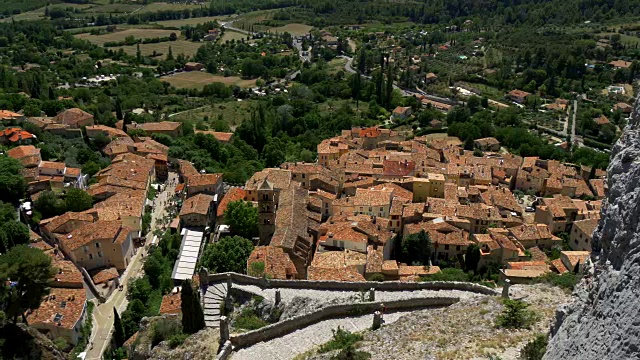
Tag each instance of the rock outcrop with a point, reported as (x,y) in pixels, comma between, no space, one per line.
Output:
(604,320)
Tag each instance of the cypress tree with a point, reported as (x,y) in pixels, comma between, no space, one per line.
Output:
(118,332)
(192,314)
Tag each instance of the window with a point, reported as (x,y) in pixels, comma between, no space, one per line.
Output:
(63,304)
(90,256)
(446,247)
(99,253)
(458,247)
(98,245)
(370,209)
(86,248)
(303,176)
(57,318)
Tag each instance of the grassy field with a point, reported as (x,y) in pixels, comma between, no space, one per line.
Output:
(113,9)
(198,79)
(163,6)
(293,29)
(624,39)
(177,47)
(121,35)
(232,35)
(233,112)
(336,65)
(39,13)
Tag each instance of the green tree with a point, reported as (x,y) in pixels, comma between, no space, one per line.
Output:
(77,200)
(12,183)
(49,205)
(25,273)
(228,254)
(154,268)
(13,233)
(515,315)
(118,330)
(90,168)
(472,258)
(192,314)
(416,248)
(242,218)
(7,212)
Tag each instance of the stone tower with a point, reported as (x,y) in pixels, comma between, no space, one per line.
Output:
(266,212)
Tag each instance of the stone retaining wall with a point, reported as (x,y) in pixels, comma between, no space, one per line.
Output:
(350,286)
(287,326)
(225,351)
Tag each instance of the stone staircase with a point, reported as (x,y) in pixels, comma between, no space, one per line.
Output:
(213,299)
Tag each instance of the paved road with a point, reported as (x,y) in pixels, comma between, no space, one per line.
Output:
(103,314)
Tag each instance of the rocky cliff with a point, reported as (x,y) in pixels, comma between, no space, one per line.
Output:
(604,320)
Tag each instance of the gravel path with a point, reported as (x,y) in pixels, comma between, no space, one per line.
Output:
(296,343)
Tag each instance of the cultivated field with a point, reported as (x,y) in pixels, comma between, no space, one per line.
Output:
(198,79)
(121,35)
(177,47)
(162,6)
(190,21)
(293,29)
(39,13)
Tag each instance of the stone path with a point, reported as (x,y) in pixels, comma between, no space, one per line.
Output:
(213,299)
(298,342)
(288,294)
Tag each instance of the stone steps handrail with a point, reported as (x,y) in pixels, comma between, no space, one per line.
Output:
(284,327)
(345,285)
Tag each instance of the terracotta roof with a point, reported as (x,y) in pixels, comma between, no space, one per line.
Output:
(106,130)
(64,305)
(197,204)
(9,115)
(398,168)
(67,274)
(587,226)
(620,63)
(559,266)
(602,120)
(337,274)
(171,303)
(220,136)
(342,231)
(518,93)
(52,165)
(537,254)
(204,180)
(55,223)
(99,230)
(277,178)
(28,155)
(277,263)
(233,194)
(598,186)
(72,117)
(16,134)
(157,126)
(291,222)
(574,257)
(105,275)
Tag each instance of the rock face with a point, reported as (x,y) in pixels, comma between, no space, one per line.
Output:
(604,320)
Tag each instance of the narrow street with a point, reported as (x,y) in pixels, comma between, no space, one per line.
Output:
(103,313)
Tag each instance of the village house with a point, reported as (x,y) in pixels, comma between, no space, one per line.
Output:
(99,244)
(171,303)
(264,187)
(487,144)
(496,247)
(28,155)
(581,235)
(330,150)
(574,260)
(340,265)
(10,118)
(109,132)
(61,314)
(198,211)
(290,232)
(16,136)
(560,212)
(518,96)
(401,112)
(210,184)
(623,108)
(431,185)
(430,78)
(534,235)
(233,194)
(448,240)
(620,64)
(74,118)
(170,128)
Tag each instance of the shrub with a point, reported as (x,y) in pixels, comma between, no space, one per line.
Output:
(164,330)
(62,343)
(342,339)
(535,349)
(567,280)
(376,277)
(248,320)
(516,315)
(177,340)
(448,274)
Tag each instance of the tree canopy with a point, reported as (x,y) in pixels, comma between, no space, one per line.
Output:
(192,314)
(25,273)
(12,183)
(228,254)
(242,218)
(416,249)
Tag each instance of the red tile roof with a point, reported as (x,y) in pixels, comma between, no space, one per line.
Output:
(234,194)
